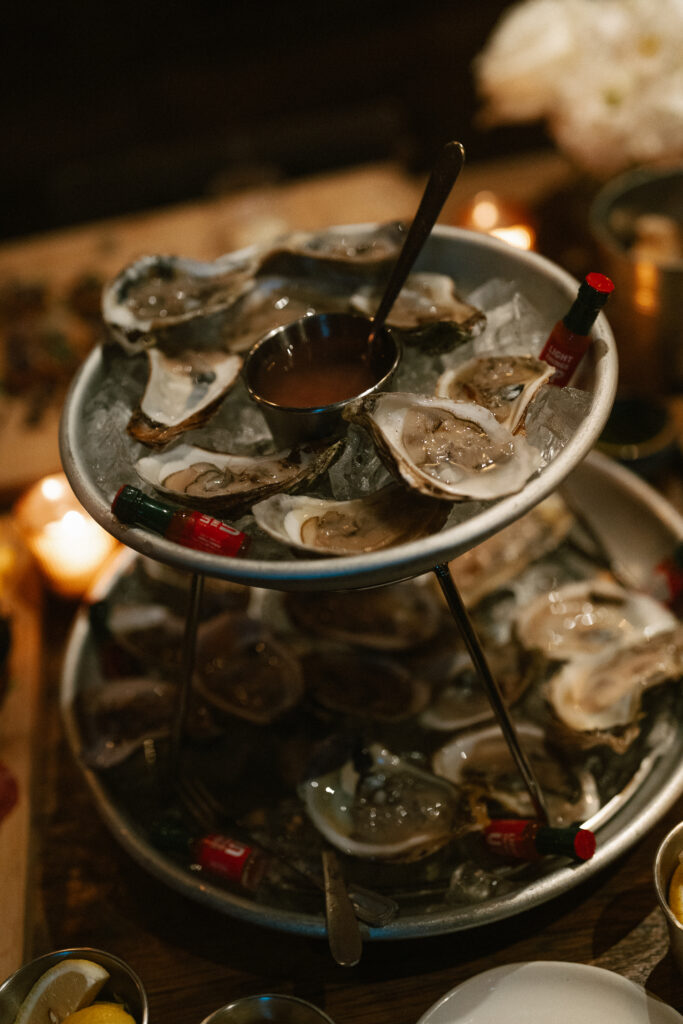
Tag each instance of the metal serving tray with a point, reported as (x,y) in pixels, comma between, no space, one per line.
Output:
(471,259)
(639,528)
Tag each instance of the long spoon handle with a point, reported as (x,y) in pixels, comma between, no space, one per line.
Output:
(446,169)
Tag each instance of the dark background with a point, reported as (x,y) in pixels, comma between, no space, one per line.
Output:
(111,108)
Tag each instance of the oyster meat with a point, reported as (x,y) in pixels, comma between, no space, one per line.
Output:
(337,255)
(504,384)
(221,480)
(449,450)
(499,559)
(391,618)
(458,696)
(387,808)
(390,516)
(158,292)
(244,671)
(426,299)
(182,391)
(579,619)
(481,758)
(362,684)
(601,696)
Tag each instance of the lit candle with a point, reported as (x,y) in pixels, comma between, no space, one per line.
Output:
(490,214)
(69,546)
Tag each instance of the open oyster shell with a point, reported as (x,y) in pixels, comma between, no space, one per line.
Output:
(390,810)
(504,384)
(499,559)
(579,619)
(362,684)
(156,293)
(182,392)
(481,758)
(396,617)
(243,670)
(458,697)
(427,300)
(223,481)
(322,526)
(599,698)
(449,450)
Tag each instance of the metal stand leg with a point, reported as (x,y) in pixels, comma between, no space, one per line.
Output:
(459,613)
(189,651)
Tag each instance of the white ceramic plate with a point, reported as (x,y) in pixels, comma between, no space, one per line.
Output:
(549,992)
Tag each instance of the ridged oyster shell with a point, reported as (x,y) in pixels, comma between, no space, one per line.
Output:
(449,450)
(427,300)
(322,526)
(396,617)
(390,810)
(506,385)
(599,698)
(499,559)
(482,758)
(579,619)
(156,292)
(182,392)
(222,480)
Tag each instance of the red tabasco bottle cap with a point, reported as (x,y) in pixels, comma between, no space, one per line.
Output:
(600,283)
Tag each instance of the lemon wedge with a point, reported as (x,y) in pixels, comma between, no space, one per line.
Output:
(100,1013)
(676,893)
(61,990)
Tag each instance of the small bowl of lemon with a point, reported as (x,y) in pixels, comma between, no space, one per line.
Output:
(74,986)
(668,873)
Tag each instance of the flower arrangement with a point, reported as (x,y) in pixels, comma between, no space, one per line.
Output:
(605,75)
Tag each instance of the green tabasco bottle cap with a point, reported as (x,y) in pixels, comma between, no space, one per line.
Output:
(574,841)
(135,508)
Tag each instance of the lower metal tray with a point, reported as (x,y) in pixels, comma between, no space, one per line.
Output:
(638,528)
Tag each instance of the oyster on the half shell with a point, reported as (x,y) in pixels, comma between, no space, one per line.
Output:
(504,384)
(599,698)
(182,392)
(425,301)
(580,619)
(155,293)
(395,617)
(390,809)
(322,526)
(445,449)
(499,559)
(221,480)
(481,758)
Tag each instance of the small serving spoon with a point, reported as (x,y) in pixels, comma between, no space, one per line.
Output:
(444,174)
(324,345)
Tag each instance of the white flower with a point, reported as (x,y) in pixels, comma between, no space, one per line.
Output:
(605,74)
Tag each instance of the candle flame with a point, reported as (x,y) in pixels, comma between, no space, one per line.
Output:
(521,236)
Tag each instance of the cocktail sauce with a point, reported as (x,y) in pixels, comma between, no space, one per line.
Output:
(302,384)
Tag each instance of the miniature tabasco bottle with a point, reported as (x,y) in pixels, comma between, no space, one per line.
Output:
(529,840)
(569,338)
(191,528)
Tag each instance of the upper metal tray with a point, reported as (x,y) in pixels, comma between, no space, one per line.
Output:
(471,259)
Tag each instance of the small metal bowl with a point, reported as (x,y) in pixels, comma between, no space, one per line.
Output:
(274,1009)
(317,343)
(666,862)
(124,986)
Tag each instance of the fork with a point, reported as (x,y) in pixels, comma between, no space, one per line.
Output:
(373,908)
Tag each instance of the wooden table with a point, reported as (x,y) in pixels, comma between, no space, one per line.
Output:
(84,890)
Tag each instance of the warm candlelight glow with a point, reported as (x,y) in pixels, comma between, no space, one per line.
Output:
(69,546)
(490,214)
